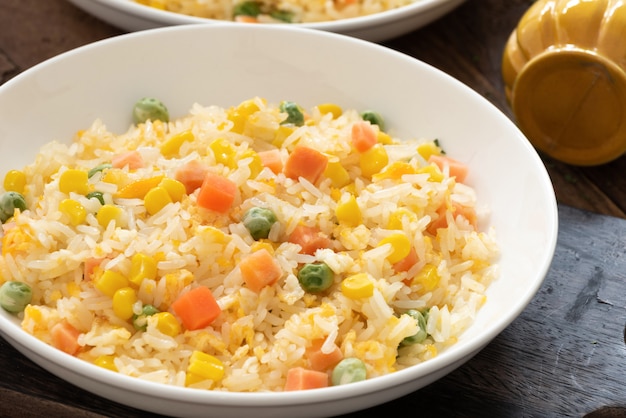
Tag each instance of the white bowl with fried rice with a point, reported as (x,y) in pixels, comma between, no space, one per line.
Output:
(370,20)
(226,108)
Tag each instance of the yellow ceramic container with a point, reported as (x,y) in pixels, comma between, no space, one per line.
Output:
(565,79)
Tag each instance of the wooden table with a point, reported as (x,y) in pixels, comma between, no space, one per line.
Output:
(564,356)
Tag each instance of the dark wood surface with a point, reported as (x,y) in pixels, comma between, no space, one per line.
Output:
(565,356)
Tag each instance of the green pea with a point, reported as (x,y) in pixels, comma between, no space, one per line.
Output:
(349,370)
(421,334)
(294,113)
(247,8)
(96,195)
(140,322)
(258,221)
(315,277)
(374,118)
(282,15)
(10,201)
(97,169)
(14,296)
(150,109)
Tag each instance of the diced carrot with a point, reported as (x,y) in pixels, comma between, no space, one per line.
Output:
(363,136)
(196,308)
(299,378)
(442,222)
(132,159)
(456,168)
(272,160)
(260,269)
(407,262)
(65,337)
(217,193)
(90,265)
(305,162)
(191,175)
(321,361)
(309,238)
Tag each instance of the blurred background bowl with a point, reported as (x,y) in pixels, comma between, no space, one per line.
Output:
(132,16)
(235,62)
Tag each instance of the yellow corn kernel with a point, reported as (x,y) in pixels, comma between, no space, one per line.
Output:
(384,138)
(396,219)
(142,267)
(325,108)
(74,181)
(247,108)
(15,181)
(171,146)
(224,152)
(281,134)
(33,313)
(262,244)
(74,210)
(123,300)
(205,366)
(400,245)
(106,362)
(108,214)
(139,188)
(357,286)
(174,188)
(55,295)
(337,174)
(167,323)
(115,176)
(256,165)
(348,212)
(434,172)
(156,199)
(240,114)
(427,149)
(428,277)
(109,281)
(373,160)
(395,171)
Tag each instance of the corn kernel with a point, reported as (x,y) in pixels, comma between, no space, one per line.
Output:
(428,149)
(434,172)
(205,366)
(224,152)
(337,174)
(142,267)
(167,323)
(395,171)
(357,286)
(15,181)
(325,108)
(115,176)
(256,165)
(174,188)
(400,246)
(74,210)
(123,300)
(108,214)
(396,219)
(348,212)
(73,289)
(384,138)
(106,362)
(428,277)
(138,189)
(74,181)
(156,199)
(109,281)
(373,160)
(171,146)
(281,134)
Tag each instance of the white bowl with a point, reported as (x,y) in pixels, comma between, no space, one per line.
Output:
(234,63)
(131,16)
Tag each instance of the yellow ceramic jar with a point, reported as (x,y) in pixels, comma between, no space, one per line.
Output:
(565,79)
